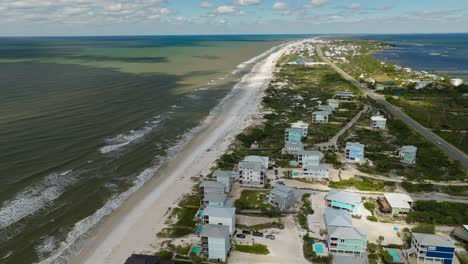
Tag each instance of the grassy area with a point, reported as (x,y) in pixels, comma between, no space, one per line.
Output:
(258,249)
(440,213)
(263,226)
(362,184)
(252,200)
(306,209)
(370,206)
(424,228)
(181,218)
(428,187)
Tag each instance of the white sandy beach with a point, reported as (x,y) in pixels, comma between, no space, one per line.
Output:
(132,228)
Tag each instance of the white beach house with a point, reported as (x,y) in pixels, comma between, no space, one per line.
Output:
(309,157)
(292,148)
(456,82)
(216,242)
(378,122)
(224,177)
(320,116)
(220,216)
(252,171)
(303,126)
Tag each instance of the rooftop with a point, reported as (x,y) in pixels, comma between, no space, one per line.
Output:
(252,165)
(346,232)
(215,197)
(211,184)
(336,217)
(398,200)
(222,174)
(378,118)
(321,113)
(344,197)
(354,145)
(316,167)
(409,148)
(433,240)
(227,212)
(215,231)
(282,190)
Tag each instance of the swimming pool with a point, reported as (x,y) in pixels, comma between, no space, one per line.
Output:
(394,254)
(196,250)
(318,248)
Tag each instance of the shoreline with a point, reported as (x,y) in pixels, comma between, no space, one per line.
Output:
(133,226)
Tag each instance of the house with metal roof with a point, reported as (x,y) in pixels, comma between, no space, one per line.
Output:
(354,151)
(252,171)
(211,187)
(309,157)
(224,177)
(292,148)
(342,237)
(303,126)
(408,154)
(432,248)
(395,203)
(293,134)
(215,199)
(461,233)
(282,196)
(216,242)
(320,116)
(333,103)
(220,216)
(344,94)
(326,108)
(319,172)
(343,200)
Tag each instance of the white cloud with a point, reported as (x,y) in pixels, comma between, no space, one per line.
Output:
(248,2)
(317,3)
(280,6)
(222,21)
(206,4)
(226,9)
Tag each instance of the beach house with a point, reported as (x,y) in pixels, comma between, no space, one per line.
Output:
(395,203)
(303,126)
(408,154)
(211,187)
(343,200)
(432,248)
(320,116)
(292,148)
(252,171)
(309,157)
(456,82)
(317,172)
(345,94)
(354,151)
(326,108)
(461,233)
(216,242)
(342,237)
(334,103)
(225,216)
(378,122)
(281,197)
(215,199)
(293,134)
(224,177)
(421,85)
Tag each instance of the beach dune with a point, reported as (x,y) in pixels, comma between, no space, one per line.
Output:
(132,228)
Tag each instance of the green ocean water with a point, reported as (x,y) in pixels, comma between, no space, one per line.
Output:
(86,121)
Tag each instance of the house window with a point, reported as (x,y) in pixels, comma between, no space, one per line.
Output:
(220,223)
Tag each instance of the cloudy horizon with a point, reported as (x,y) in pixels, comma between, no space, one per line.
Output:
(194,17)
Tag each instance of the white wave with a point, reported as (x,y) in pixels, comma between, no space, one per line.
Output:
(35,197)
(253,60)
(127,138)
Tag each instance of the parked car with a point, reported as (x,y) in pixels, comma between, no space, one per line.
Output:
(280,182)
(246,232)
(272,237)
(240,235)
(257,234)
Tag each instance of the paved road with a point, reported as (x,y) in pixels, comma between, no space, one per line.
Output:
(450,150)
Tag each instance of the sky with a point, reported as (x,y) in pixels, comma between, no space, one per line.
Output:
(180,17)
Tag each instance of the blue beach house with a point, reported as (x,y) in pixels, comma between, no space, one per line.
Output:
(354,151)
(432,248)
(293,135)
(342,200)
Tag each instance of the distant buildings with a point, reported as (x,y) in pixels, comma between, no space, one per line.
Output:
(320,116)
(282,197)
(395,203)
(293,135)
(421,85)
(343,200)
(216,242)
(342,237)
(456,82)
(354,151)
(432,248)
(220,216)
(252,171)
(303,126)
(408,154)
(378,122)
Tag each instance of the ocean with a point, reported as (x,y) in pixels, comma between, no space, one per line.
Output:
(438,53)
(86,121)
